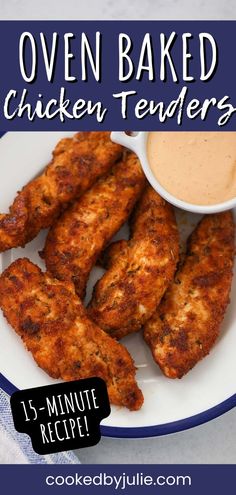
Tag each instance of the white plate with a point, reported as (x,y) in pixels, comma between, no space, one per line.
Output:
(169,405)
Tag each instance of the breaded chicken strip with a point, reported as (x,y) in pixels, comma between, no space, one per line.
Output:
(54,326)
(76,164)
(187,323)
(140,270)
(76,240)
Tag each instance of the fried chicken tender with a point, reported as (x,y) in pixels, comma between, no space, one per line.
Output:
(187,322)
(76,240)
(139,271)
(76,164)
(54,327)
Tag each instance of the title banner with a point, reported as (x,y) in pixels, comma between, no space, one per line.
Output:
(139,75)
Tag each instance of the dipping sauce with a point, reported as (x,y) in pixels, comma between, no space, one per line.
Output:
(196,167)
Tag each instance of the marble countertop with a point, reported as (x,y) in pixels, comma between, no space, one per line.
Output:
(213,442)
(121,9)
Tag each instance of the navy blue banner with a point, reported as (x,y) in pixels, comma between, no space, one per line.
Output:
(117,75)
(111,479)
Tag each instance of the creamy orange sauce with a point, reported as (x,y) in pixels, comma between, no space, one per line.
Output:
(197,167)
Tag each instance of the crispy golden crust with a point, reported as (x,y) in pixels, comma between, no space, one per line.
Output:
(54,326)
(186,324)
(77,162)
(76,240)
(140,270)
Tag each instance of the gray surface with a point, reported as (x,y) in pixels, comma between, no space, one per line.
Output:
(215,441)
(117,9)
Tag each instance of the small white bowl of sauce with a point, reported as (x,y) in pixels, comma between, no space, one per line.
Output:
(195,171)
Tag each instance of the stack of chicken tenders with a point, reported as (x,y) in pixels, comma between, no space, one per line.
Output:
(88,191)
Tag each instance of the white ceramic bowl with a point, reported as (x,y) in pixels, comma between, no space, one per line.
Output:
(138,143)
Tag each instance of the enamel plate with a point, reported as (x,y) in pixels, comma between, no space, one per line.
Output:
(169,405)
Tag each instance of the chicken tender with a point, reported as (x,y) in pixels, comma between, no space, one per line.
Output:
(54,327)
(76,164)
(75,242)
(187,322)
(139,270)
